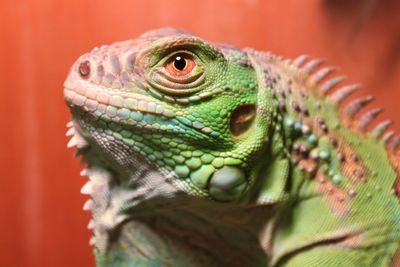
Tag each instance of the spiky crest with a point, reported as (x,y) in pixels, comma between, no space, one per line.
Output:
(328,89)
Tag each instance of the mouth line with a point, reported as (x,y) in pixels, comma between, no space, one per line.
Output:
(131,110)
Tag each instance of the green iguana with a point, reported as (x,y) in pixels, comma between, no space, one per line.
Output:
(202,154)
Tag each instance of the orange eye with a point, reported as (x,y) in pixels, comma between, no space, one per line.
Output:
(180,64)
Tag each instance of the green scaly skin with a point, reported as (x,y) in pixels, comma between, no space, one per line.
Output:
(244,160)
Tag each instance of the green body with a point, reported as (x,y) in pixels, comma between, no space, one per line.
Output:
(243,160)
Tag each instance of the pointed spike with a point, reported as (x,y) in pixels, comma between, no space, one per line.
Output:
(70,124)
(368,117)
(81,142)
(312,65)
(381,128)
(355,106)
(91,225)
(99,178)
(322,73)
(88,206)
(73,142)
(387,136)
(92,241)
(87,189)
(343,92)
(329,84)
(300,60)
(84,172)
(70,132)
(394,144)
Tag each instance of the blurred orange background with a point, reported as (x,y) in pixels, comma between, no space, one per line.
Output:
(42,223)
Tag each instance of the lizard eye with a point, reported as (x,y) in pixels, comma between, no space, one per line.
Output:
(179,73)
(180,64)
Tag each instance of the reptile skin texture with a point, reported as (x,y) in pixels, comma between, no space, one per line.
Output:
(202,154)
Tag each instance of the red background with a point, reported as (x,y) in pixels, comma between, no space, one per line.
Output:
(41,221)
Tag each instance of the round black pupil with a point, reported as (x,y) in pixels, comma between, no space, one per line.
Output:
(180,63)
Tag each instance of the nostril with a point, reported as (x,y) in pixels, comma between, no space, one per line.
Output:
(84,68)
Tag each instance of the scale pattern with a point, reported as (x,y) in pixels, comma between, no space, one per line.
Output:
(202,154)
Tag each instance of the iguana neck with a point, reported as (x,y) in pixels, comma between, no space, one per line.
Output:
(169,230)
(182,226)
(140,216)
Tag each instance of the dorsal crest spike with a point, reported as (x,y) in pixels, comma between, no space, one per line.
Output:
(368,117)
(331,83)
(91,225)
(356,105)
(343,92)
(322,73)
(88,206)
(300,60)
(72,142)
(381,128)
(70,132)
(395,143)
(312,65)
(387,136)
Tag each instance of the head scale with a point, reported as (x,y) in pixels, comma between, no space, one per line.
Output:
(197,112)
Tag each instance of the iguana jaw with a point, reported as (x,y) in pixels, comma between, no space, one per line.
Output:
(136,113)
(143,194)
(94,107)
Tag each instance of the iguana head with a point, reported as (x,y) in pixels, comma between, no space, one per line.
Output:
(168,121)
(188,108)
